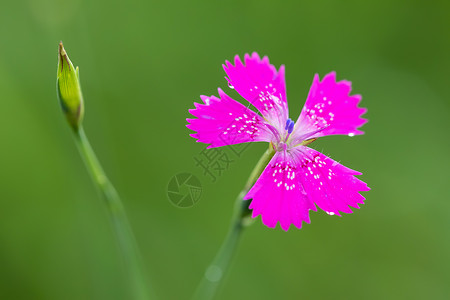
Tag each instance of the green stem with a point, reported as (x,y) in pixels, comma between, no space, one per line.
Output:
(216,271)
(122,228)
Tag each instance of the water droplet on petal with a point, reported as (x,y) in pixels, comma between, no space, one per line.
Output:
(351,134)
(230,86)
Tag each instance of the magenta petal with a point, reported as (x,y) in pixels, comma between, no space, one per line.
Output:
(296,180)
(278,194)
(332,186)
(224,121)
(330,107)
(260,83)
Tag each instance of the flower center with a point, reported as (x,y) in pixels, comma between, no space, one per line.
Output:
(289,126)
(282,144)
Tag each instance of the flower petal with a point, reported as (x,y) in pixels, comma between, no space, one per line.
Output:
(330,109)
(278,195)
(332,186)
(261,84)
(224,121)
(297,179)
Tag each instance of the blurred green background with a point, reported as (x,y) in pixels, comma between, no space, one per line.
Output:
(142,65)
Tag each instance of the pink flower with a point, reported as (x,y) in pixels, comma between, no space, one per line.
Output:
(297,178)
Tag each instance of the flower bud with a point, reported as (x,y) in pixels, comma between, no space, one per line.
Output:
(69,90)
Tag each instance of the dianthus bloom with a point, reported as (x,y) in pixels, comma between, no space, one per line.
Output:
(297,178)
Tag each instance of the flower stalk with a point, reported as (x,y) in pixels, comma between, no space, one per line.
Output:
(116,210)
(71,99)
(214,274)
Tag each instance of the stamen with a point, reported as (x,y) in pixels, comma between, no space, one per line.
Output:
(291,127)
(288,122)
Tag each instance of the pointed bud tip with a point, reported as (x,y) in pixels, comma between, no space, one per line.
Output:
(61,49)
(63,57)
